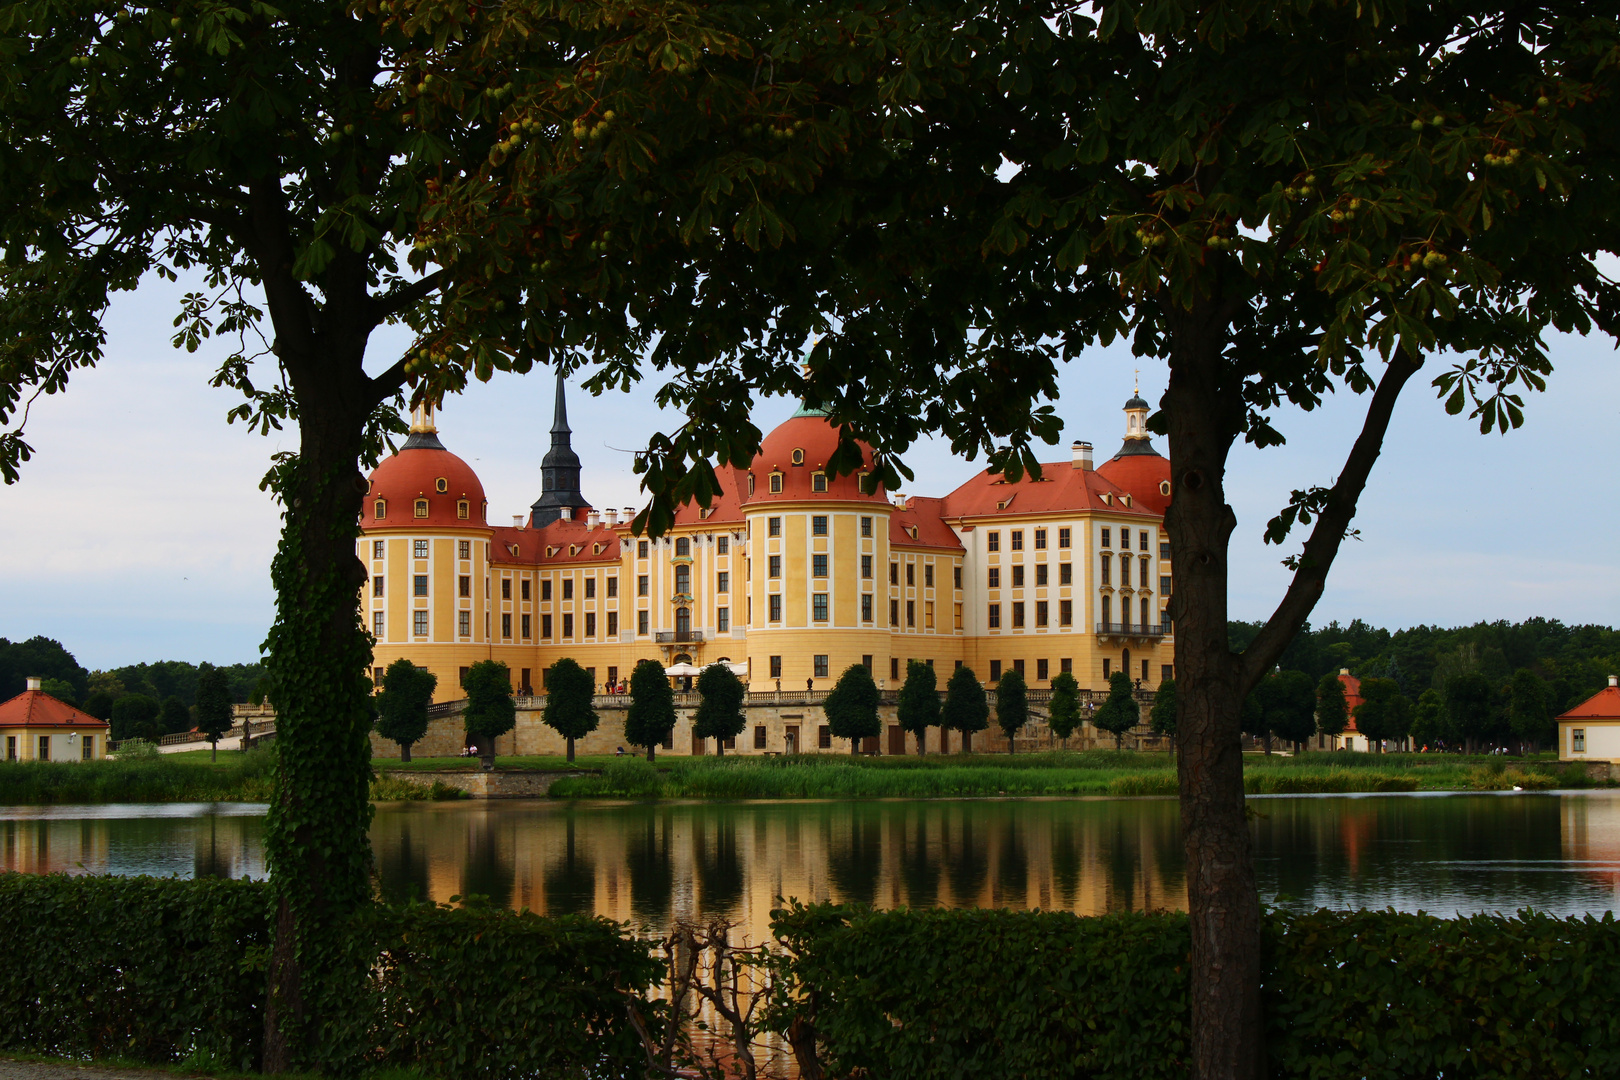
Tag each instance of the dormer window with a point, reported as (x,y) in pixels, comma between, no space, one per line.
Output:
(463,509)
(421,508)
(818,482)
(798,456)
(441,485)
(750,483)
(683,547)
(776,483)
(380,508)
(866,483)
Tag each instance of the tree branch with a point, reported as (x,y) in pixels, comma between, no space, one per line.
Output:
(406,297)
(1323,545)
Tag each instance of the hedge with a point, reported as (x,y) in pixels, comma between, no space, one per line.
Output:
(1376,995)
(165,970)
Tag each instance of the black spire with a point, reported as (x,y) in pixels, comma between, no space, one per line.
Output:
(559,471)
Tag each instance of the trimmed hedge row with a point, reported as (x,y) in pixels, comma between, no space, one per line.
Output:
(1374,995)
(166,970)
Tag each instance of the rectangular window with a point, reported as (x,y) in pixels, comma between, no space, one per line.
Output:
(866,607)
(956,576)
(722,581)
(44,748)
(776,483)
(1124,571)
(722,620)
(994,620)
(773,566)
(1040,539)
(1018,539)
(894,573)
(377,625)
(1142,540)
(419,585)
(419,548)
(992,541)
(641,622)
(1018,615)
(776,607)
(641,549)
(818,525)
(568,588)
(911,574)
(818,606)
(545,589)
(419,623)
(524,625)
(1065,574)
(1107,570)
(506,625)
(820,660)
(776,667)
(545,626)
(377,585)
(995,671)
(590,588)
(992,577)
(894,613)
(928,614)
(1166,671)
(1164,584)
(464,623)
(958,616)
(1064,538)
(1018,666)
(1065,612)
(1164,549)
(866,526)
(1066,664)
(1040,612)
(506,588)
(928,575)
(590,624)
(818,482)
(641,584)
(1040,670)
(722,545)
(612,587)
(911,613)
(377,549)
(613,624)
(1125,539)
(87,747)
(824,737)
(1018,577)
(1107,610)
(759,736)
(1144,671)
(866,567)
(1106,541)
(568,625)
(894,667)
(818,566)
(1106,666)
(1040,575)
(773,526)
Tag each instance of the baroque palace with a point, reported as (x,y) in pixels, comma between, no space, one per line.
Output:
(790,576)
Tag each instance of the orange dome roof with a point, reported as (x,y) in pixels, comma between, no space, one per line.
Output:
(424,469)
(799,449)
(1145,476)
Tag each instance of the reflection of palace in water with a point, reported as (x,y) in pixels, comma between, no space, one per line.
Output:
(1591,838)
(650,864)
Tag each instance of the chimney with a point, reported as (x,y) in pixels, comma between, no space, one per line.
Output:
(1082,456)
(1614,680)
(33,682)
(593,519)
(566,513)
(1344,671)
(517,521)
(612,516)
(629,514)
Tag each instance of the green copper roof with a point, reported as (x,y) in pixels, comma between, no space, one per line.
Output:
(805,410)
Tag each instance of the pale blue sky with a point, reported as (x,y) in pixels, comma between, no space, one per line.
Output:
(138,531)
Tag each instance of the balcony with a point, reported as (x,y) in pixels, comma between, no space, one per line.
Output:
(679,637)
(1153,631)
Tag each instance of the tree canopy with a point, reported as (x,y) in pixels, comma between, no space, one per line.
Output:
(651,716)
(719,713)
(570,693)
(1162,717)
(852,707)
(918,708)
(1063,711)
(1119,711)
(1332,710)
(966,708)
(402,706)
(1012,704)
(1384,713)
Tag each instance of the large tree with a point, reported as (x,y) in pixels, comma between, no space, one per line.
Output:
(1384,713)
(918,708)
(402,706)
(719,714)
(1119,711)
(1063,711)
(651,716)
(213,705)
(966,708)
(1012,704)
(570,695)
(1471,708)
(852,707)
(1529,714)
(1332,709)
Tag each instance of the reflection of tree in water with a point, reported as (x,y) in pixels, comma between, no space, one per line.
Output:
(402,860)
(651,869)
(855,859)
(212,856)
(570,885)
(1123,863)
(1012,863)
(919,865)
(968,857)
(1066,863)
(488,871)
(719,867)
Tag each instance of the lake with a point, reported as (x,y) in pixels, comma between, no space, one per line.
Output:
(650,863)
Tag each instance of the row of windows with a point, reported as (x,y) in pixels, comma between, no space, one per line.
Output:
(1043,668)
(1065,575)
(1124,571)
(419,587)
(1141,541)
(379,509)
(1043,612)
(1065,538)
(683,547)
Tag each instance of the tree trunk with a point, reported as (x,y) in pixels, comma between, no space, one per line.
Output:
(650,751)
(316,843)
(1010,745)
(213,750)
(570,750)
(967,742)
(405,753)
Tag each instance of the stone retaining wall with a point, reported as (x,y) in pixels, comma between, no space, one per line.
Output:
(498,784)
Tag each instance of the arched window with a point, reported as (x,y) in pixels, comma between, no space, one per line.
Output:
(818,481)
(683,546)
(750,483)
(463,509)
(776,483)
(441,485)
(798,456)
(380,508)
(421,508)
(683,620)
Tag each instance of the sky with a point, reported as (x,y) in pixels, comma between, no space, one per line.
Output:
(138,531)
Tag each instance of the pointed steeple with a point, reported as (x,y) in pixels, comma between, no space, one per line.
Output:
(559,471)
(1138,440)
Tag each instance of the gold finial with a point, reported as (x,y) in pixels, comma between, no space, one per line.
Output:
(422,419)
(1138,382)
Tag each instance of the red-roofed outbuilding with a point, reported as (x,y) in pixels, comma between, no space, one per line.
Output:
(1591,730)
(34,726)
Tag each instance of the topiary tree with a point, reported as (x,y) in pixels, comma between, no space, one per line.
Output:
(918,709)
(1119,713)
(1162,717)
(719,713)
(213,705)
(852,707)
(1063,713)
(136,716)
(966,708)
(1529,714)
(651,716)
(1332,711)
(1012,704)
(402,707)
(570,711)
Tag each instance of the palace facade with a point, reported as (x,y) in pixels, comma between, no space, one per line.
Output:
(791,575)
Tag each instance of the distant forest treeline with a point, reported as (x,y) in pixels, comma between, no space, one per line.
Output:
(1575,661)
(161,680)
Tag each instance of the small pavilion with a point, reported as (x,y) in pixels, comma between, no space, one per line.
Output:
(1591,730)
(34,726)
